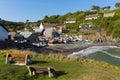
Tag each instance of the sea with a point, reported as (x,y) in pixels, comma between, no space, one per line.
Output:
(109,54)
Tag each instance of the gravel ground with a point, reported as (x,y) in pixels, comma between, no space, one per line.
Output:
(65,49)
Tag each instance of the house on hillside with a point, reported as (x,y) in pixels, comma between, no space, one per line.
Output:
(33,37)
(109,14)
(26,34)
(12,35)
(70,20)
(92,16)
(60,28)
(50,32)
(39,29)
(3,32)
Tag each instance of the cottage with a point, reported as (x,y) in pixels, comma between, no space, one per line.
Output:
(109,14)
(26,34)
(12,35)
(60,28)
(33,37)
(3,32)
(49,32)
(53,30)
(70,20)
(90,17)
(39,29)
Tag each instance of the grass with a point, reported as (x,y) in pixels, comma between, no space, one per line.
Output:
(66,68)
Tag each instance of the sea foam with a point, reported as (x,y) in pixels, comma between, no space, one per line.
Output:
(91,50)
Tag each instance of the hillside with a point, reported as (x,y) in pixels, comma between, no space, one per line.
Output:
(110,24)
(66,68)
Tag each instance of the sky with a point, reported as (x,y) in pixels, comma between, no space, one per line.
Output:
(34,10)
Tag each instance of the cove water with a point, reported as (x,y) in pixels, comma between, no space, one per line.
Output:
(110,54)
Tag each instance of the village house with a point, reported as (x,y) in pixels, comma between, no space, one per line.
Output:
(46,30)
(39,29)
(12,35)
(109,14)
(50,31)
(3,32)
(92,16)
(33,37)
(60,28)
(26,34)
(70,20)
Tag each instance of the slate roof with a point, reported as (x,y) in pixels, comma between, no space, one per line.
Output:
(3,27)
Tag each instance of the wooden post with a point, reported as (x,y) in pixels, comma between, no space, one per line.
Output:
(7,59)
(29,59)
(26,60)
(30,72)
(50,74)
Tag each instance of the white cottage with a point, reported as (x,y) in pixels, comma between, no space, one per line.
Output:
(70,20)
(39,29)
(109,14)
(3,32)
(26,34)
(92,16)
(49,32)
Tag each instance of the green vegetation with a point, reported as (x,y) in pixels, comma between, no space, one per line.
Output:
(66,68)
(110,24)
(117,5)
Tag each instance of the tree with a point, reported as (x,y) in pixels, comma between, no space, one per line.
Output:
(114,29)
(96,8)
(27,20)
(46,19)
(106,8)
(117,5)
(54,19)
(61,19)
(69,13)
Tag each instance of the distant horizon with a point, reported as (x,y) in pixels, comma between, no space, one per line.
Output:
(34,10)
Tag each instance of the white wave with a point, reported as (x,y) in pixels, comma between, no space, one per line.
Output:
(91,50)
(111,54)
